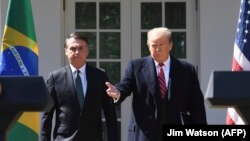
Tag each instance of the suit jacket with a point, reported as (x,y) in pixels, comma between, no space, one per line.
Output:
(184,97)
(72,123)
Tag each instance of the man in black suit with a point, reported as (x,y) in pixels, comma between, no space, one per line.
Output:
(78,118)
(165,90)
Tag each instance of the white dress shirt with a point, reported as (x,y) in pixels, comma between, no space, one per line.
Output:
(82,75)
(166,69)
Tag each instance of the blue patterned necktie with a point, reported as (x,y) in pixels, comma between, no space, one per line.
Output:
(79,89)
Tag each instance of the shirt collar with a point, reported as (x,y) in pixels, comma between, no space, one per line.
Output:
(166,63)
(82,69)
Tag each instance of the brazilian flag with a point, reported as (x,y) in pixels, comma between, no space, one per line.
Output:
(19,56)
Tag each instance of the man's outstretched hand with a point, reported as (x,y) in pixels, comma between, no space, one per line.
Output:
(112,91)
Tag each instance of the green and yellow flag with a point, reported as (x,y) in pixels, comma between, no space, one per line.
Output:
(19,56)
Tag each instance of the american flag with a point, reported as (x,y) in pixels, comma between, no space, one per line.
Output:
(241,56)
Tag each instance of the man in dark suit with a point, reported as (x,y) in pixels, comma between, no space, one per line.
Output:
(165,90)
(78,104)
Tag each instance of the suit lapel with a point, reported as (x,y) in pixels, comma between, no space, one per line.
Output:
(90,84)
(175,73)
(69,80)
(70,83)
(149,72)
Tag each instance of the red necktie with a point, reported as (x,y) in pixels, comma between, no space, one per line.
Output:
(162,82)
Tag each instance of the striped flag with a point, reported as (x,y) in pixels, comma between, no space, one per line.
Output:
(19,56)
(241,56)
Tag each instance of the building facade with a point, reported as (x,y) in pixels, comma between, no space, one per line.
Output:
(203,32)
